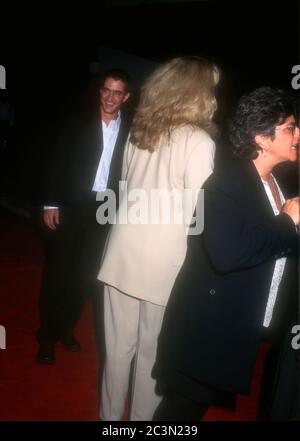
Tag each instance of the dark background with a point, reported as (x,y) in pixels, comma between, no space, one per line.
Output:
(49,52)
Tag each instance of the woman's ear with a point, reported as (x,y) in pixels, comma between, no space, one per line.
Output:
(262,141)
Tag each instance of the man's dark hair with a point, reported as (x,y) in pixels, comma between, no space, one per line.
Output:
(117,75)
(258,113)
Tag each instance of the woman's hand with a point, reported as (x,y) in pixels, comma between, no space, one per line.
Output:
(291,207)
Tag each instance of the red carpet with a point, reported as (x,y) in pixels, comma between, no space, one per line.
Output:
(67,390)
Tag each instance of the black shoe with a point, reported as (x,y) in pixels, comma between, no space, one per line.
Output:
(70,343)
(45,353)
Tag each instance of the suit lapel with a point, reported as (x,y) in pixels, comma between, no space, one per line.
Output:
(256,190)
(117,157)
(92,144)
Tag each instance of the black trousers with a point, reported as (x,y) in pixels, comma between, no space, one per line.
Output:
(279,381)
(72,261)
(176,407)
(180,404)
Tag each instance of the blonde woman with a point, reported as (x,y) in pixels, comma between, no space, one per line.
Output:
(168,157)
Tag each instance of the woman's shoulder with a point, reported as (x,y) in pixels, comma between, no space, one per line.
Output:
(193,139)
(190,132)
(234,175)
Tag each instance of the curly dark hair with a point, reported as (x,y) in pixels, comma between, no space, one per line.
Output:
(258,113)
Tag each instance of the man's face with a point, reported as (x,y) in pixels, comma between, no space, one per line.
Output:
(112,96)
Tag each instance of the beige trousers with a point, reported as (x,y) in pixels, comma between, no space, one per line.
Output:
(131,328)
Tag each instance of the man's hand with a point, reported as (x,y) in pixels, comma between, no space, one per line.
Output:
(291,207)
(51,217)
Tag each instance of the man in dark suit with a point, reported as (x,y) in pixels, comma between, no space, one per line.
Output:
(89,158)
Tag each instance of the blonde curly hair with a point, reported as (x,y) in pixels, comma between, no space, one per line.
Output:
(180,92)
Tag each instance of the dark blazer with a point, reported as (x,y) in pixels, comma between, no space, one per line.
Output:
(74,166)
(214,320)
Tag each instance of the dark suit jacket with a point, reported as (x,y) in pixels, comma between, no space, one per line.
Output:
(78,151)
(214,320)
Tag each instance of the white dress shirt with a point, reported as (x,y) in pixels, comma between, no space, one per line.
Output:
(109,133)
(280,263)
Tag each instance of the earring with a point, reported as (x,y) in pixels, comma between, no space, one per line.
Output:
(265,154)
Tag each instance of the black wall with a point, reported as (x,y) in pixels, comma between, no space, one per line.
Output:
(47,54)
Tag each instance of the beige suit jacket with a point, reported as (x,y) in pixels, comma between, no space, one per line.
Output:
(143,256)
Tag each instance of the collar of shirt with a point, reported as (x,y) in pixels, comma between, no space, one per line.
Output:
(114,124)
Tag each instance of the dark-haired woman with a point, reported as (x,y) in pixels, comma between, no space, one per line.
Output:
(233,287)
